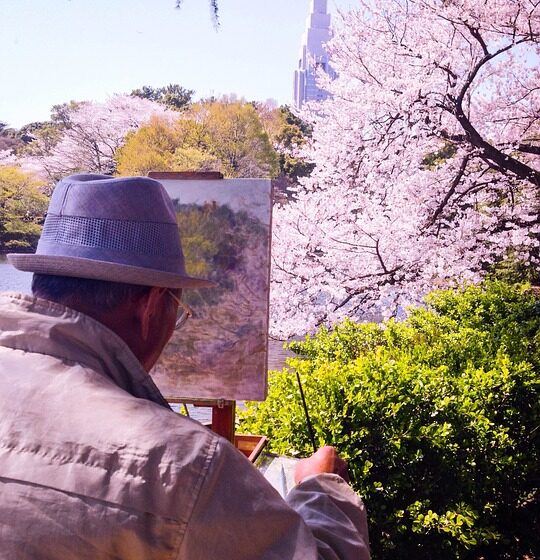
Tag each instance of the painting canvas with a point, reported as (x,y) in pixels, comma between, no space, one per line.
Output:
(221,352)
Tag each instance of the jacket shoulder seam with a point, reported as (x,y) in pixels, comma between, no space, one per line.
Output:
(209,457)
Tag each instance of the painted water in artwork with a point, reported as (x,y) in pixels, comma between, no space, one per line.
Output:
(221,352)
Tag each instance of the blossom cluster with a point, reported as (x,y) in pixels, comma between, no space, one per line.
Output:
(426,160)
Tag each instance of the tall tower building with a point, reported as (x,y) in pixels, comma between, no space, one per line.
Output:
(313,55)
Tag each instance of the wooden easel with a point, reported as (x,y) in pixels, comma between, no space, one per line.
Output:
(223,414)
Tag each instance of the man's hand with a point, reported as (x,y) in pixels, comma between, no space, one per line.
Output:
(325,460)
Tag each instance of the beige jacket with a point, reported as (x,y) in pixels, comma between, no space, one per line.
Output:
(94,464)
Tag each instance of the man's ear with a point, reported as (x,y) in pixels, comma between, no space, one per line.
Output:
(147,307)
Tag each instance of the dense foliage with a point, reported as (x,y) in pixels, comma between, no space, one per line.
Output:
(225,135)
(22,210)
(438,417)
(289,136)
(173,96)
(10,138)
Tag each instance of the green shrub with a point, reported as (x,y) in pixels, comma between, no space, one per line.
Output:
(438,416)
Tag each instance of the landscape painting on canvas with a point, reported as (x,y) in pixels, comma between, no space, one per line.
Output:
(221,352)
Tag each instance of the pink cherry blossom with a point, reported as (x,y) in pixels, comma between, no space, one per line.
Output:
(92,133)
(426,156)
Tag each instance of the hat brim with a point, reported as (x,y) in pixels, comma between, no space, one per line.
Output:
(102,270)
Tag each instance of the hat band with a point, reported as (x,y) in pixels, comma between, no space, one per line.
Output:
(145,238)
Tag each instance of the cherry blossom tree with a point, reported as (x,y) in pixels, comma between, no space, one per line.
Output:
(87,135)
(426,160)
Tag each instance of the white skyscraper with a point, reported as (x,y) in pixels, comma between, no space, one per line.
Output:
(313,55)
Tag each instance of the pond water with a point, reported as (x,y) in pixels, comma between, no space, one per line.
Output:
(13,280)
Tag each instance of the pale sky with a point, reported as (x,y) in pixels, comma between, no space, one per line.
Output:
(54,51)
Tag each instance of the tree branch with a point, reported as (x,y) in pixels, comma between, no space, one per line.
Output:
(476,34)
(501,159)
(451,191)
(379,256)
(529,149)
(348,298)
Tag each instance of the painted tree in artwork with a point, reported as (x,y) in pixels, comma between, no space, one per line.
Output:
(427,159)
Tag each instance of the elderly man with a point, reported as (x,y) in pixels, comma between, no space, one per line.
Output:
(93,463)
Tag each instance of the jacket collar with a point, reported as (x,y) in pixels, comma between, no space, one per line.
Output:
(36,325)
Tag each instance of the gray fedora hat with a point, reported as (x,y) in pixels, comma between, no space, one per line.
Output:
(117,229)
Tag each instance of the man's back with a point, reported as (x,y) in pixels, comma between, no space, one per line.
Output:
(88,471)
(92,468)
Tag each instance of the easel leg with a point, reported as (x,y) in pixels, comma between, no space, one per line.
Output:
(223,420)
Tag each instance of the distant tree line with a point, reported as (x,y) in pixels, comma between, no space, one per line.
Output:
(152,128)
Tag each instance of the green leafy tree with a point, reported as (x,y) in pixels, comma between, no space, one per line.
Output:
(224,136)
(237,138)
(22,210)
(40,138)
(11,138)
(188,158)
(173,96)
(291,136)
(438,417)
(149,148)
(165,146)
(288,134)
